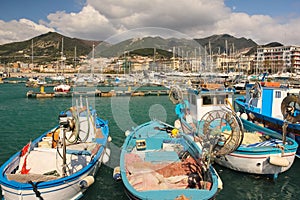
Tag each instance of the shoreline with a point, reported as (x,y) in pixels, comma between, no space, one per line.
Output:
(47,74)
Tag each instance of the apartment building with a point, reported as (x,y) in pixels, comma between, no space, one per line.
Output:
(277,59)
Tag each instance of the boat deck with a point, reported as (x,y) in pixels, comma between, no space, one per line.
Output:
(161,168)
(41,169)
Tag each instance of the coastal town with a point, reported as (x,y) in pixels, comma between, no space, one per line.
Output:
(149,100)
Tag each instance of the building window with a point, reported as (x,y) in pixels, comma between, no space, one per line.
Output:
(277,94)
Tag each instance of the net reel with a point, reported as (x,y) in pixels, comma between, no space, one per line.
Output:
(222,132)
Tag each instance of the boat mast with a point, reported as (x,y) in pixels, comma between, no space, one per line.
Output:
(32,52)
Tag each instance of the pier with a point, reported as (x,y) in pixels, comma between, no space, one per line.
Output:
(99,93)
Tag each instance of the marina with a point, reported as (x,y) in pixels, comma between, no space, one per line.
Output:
(236,185)
(181,100)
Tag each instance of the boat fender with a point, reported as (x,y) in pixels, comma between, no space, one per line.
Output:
(86,182)
(177,124)
(117,174)
(244,116)
(106,155)
(109,139)
(278,161)
(127,133)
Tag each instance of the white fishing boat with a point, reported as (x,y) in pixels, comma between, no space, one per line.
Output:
(62,162)
(259,150)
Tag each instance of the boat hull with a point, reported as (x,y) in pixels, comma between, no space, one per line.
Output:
(255,164)
(68,189)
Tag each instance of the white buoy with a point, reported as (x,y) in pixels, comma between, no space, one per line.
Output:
(278,161)
(177,124)
(86,182)
(127,133)
(109,139)
(106,155)
(244,116)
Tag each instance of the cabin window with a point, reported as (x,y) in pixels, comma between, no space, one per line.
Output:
(207,100)
(221,99)
(277,94)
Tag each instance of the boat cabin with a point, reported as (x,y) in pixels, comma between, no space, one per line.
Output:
(201,102)
(266,100)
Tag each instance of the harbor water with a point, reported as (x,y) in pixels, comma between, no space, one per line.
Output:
(23,119)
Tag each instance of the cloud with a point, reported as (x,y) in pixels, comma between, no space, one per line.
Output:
(261,28)
(87,24)
(22,29)
(99,20)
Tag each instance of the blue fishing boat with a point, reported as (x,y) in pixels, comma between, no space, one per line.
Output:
(158,162)
(62,162)
(255,149)
(273,106)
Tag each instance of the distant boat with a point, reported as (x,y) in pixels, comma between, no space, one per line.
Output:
(273,106)
(255,149)
(158,162)
(62,88)
(62,162)
(57,78)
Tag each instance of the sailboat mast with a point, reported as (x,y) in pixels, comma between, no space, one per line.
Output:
(32,52)
(75,55)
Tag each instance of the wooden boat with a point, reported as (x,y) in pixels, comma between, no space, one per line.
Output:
(62,162)
(257,150)
(158,162)
(272,106)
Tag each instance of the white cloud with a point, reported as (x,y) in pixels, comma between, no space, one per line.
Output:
(22,29)
(87,24)
(99,20)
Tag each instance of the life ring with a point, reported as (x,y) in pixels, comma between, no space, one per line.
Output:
(175,95)
(288,110)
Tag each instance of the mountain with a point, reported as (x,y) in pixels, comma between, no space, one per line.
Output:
(46,48)
(147,46)
(218,43)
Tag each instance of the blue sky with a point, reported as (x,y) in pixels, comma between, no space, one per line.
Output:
(263,21)
(274,8)
(36,10)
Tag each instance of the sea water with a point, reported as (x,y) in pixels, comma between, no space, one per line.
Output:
(23,119)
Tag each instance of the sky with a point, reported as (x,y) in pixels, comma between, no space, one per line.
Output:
(263,21)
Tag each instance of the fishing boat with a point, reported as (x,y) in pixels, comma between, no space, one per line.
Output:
(158,162)
(273,106)
(258,150)
(62,162)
